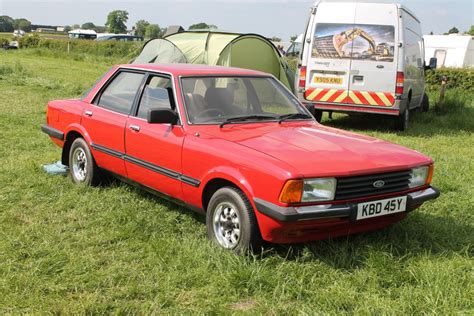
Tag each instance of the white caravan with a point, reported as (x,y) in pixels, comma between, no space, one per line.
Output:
(362,57)
(454,51)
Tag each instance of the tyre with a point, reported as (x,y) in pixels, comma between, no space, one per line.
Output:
(425,103)
(318,115)
(231,221)
(403,120)
(82,166)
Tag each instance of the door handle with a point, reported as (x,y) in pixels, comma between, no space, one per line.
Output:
(135,128)
(380,66)
(88,113)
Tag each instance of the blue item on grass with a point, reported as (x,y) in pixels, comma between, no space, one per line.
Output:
(56,168)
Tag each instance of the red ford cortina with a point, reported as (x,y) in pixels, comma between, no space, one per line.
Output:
(238,146)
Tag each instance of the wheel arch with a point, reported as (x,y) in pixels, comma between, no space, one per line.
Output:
(218,181)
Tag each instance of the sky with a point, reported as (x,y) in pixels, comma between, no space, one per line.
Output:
(281,18)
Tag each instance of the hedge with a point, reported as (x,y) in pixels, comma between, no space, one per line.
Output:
(102,48)
(457,78)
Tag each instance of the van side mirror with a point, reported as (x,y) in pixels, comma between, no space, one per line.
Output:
(433,62)
(162,116)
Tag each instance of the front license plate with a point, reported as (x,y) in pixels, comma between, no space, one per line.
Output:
(381,207)
(327,80)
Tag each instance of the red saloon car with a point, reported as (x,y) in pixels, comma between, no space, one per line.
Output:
(238,146)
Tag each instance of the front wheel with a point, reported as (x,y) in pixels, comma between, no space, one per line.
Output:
(82,166)
(231,221)
(425,103)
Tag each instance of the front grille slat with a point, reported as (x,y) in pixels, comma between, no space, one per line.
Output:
(362,186)
(369,183)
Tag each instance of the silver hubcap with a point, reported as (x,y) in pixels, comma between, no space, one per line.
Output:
(227,225)
(79,164)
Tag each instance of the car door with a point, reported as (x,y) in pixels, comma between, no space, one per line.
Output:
(153,151)
(105,119)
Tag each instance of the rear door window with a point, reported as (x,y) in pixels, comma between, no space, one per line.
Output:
(120,94)
(158,93)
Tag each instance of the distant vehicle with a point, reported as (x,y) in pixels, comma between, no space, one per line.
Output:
(363,57)
(82,34)
(119,37)
(18,33)
(295,48)
(236,145)
(11,45)
(454,50)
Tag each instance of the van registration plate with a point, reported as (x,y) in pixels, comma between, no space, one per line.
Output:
(327,80)
(381,207)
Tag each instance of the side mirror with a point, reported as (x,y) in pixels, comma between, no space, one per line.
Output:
(433,63)
(162,116)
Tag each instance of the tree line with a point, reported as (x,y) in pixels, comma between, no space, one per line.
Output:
(116,23)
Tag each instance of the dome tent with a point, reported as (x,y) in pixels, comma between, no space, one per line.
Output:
(250,51)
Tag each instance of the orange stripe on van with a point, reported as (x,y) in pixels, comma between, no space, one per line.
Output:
(350,97)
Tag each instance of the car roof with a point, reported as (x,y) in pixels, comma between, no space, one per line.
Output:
(195,70)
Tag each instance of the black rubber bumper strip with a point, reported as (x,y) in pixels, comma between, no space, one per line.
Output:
(301,213)
(52,132)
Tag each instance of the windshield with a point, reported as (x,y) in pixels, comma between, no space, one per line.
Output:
(214,100)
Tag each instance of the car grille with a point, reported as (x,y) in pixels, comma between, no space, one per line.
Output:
(363,186)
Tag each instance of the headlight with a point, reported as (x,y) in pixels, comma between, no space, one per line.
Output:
(308,190)
(322,189)
(420,176)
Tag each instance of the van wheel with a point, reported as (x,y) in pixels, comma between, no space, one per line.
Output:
(425,103)
(318,115)
(403,120)
(231,221)
(82,166)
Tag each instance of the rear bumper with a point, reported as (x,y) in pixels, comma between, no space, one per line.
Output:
(52,132)
(348,108)
(316,212)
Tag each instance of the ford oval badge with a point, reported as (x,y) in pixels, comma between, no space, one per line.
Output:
(378,184)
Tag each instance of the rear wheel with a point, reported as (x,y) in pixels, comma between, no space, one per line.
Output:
(403,120)
(231,221)
(318,115)
(425,103)
(82,166)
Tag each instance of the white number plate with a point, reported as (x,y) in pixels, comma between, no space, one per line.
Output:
(381,207)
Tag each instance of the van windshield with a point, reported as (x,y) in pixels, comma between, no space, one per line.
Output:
(354,41)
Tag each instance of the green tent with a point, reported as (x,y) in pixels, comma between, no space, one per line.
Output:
(250,51)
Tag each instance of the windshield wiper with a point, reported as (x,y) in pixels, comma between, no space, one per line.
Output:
(292,117)
(247,118)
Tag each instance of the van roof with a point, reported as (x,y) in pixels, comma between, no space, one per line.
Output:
(399,6)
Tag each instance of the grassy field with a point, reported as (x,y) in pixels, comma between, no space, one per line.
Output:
(69,249)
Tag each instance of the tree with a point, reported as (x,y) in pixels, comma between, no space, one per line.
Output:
(140,27)
(293,38)
(22,24)
(202,26)
(75,26)
(116,21)
(453,30)
(275,39)
(6,24)
(100,29)
(471,31)
(67,28)
(88,26)
(153,31)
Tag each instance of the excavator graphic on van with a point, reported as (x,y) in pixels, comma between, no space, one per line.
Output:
(332,46)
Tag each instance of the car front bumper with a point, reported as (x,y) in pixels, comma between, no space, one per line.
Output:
(315,212)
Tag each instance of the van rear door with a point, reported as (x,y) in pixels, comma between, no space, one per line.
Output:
(374,55)
(328,60)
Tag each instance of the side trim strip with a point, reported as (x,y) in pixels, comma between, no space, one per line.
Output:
(108,151)
(155,168)
(52,132)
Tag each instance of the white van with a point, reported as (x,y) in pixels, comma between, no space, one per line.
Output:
(362,56)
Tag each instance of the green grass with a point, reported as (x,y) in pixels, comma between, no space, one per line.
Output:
(69,249)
